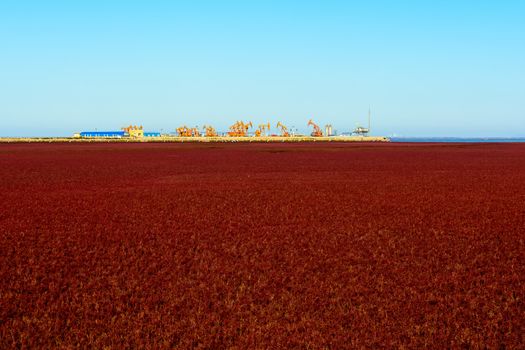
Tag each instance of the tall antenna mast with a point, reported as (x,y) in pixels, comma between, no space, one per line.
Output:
(368,119)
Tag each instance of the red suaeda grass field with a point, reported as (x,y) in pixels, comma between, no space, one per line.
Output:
(312,245)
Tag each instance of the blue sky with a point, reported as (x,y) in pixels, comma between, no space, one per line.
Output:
(426,68)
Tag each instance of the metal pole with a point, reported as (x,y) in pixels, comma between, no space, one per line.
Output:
(368,119)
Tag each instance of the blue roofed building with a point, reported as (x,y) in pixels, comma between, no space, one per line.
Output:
(131,132)
(93,134)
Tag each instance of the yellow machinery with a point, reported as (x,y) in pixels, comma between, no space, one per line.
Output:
(239,129)
(261,129)
(195,132)
(317,130)
(284,129)
(246,127)
(184,131)
(209,131)
(134,131)
(235,129)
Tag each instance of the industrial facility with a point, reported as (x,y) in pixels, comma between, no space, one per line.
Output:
(238,131)
(126,132)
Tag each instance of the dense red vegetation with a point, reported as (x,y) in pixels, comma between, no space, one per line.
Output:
(262,245)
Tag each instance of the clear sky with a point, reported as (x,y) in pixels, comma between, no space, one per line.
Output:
(426,68)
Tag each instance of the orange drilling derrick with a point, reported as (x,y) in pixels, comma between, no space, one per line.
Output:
(184,131)
(261,129)
(209,131)
(284,129)
(317,130)
(239,129)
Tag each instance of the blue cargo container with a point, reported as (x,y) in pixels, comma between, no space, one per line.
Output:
(151,134)
(91,134)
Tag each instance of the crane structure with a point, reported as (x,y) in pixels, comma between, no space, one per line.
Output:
(284,129)
(240,129)
(261,129)
(209,131)
(317,130)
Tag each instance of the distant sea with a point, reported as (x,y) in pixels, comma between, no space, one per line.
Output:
(456,139)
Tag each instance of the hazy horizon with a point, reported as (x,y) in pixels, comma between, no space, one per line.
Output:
(453,69)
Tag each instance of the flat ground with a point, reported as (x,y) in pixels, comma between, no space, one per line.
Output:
(262,245)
